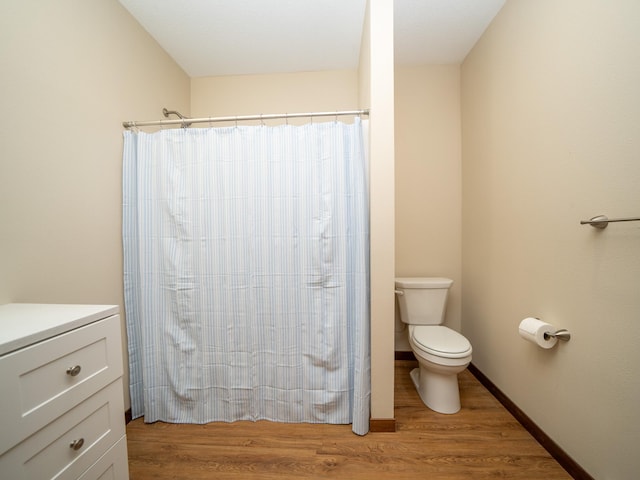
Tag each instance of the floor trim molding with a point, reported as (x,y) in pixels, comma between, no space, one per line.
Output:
(402,355)
(568,463)
(377,425)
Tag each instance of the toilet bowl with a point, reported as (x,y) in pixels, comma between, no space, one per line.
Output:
(441,352)
(440,361)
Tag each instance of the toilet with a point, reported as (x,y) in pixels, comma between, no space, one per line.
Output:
(441,352)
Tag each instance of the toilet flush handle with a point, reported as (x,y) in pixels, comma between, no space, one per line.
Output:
(399,292)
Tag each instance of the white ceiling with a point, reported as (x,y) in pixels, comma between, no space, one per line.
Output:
(233,37)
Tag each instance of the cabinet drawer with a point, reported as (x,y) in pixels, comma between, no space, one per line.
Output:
(94,426)
(113,465)
(39,381)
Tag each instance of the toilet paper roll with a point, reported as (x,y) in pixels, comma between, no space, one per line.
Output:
(533,330)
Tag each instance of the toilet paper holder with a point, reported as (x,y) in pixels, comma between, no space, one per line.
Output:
(562,334)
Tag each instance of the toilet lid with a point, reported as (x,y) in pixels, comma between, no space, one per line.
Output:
(441,341)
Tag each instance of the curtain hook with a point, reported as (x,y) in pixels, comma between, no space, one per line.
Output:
(261,120)
(236,121)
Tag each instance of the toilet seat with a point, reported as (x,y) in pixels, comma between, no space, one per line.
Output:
(440,341)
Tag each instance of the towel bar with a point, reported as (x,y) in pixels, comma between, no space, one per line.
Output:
(601,221)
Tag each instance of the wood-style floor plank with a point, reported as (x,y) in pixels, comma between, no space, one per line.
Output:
(482,441)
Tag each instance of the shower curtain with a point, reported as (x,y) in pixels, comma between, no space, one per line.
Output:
(246,274)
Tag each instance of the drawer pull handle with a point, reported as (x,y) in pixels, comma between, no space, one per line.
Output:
(77,444)
(73,371)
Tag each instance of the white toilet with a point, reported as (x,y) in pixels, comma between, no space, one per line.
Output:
(442,353)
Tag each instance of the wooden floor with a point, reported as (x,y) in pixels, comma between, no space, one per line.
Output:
(482,441)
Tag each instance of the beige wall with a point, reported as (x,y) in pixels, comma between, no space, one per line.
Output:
(428,181)
(377,80)
(275,93)
(378,69)
(551,135)
(71,72)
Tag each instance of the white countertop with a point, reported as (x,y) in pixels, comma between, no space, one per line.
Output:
(23,324)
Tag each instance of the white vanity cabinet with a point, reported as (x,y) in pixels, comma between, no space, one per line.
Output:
(61,400)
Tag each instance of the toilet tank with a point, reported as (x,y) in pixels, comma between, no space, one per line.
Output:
(422,300)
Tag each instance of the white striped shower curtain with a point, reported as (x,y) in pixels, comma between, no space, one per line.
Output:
(246,274)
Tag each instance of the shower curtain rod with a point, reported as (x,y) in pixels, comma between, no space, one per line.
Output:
(240,118)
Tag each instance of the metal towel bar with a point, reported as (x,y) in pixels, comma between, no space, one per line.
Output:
(601,221)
